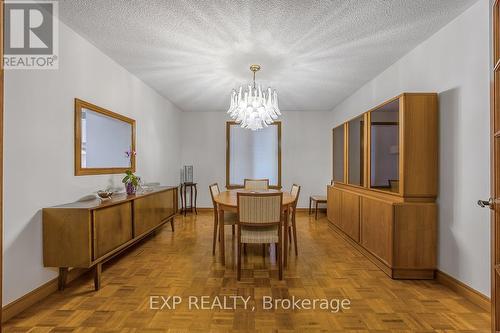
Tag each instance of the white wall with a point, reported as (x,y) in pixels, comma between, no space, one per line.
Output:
(39,146)
(455,63)
(305,151)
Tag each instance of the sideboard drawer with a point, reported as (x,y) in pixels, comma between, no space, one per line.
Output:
(112,228)
(152,210)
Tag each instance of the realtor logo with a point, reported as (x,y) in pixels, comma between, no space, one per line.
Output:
(31,35)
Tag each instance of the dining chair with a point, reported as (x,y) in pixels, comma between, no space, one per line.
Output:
(259,222)
(229,217)
(292,228)
(256,184)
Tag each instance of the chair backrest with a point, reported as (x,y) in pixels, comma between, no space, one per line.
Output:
(260,208)
(295,191)
(256,184)
(214,190)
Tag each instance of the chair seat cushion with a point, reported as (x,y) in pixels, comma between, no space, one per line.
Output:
(259,235)
(230,218)
(318,197)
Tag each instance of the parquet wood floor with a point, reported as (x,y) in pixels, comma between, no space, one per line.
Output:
(181,264)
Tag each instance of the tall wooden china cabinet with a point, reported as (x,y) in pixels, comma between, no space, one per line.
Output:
(385,180)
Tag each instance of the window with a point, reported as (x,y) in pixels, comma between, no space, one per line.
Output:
(253,154)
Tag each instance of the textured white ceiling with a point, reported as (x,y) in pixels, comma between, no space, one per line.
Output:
(315,53)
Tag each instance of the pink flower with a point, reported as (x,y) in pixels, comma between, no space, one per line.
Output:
(130,153)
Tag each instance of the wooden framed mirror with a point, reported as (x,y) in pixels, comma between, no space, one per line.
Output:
(253,154)
(104,141)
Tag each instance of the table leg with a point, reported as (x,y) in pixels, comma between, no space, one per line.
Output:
(191,198)
(195,196)
(281,263)
(97,276)
(185,201)
(221,233)
(216,230)
(63,275)
(310,200)
(285,239)
(294,227)
(316,213)
(183,204)
(179,193)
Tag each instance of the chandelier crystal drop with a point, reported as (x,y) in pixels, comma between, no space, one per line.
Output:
(254,108)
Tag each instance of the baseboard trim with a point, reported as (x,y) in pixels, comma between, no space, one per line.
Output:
(19,305)
(205,209)
(210,209)
(464,290)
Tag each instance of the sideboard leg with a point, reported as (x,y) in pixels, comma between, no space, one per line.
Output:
(63,275)
(97,276)
(172,224)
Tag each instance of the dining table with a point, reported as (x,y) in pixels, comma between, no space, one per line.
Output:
(227,201)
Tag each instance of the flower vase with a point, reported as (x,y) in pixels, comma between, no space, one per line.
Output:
(130,188)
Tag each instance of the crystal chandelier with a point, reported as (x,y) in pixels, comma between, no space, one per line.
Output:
(254,108)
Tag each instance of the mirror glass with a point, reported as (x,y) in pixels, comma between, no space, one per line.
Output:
(384,147)
(253,154)
(355,151)
(338,154)
(104,141)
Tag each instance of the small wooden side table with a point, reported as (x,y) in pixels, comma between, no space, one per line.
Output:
(317,199)
(192,204)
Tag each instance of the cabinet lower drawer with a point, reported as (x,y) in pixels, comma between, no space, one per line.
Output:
(152,210)
(112,228)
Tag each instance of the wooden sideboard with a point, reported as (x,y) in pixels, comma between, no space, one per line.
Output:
(384,204)
(398,236)
(85,234)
